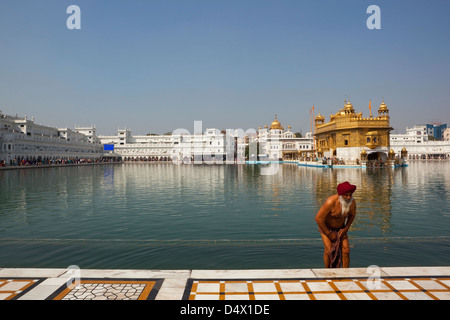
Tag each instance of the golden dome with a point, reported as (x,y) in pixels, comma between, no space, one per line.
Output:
(320,117)
(349,106)
(383,106)
(276,124)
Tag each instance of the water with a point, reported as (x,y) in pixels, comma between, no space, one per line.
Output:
(166,216)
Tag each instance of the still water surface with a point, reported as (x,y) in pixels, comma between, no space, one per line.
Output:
(166,216)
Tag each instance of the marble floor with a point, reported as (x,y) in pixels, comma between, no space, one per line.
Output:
(321,289)
(373,283)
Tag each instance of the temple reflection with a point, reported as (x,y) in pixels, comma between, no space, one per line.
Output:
(372,196)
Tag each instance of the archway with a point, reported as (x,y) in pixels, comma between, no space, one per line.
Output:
(380,156)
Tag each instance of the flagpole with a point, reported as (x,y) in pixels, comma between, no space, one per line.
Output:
(314,129)
(310,121)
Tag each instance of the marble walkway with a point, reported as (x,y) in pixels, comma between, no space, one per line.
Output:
(373,283)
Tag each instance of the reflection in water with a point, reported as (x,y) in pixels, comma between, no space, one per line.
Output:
(372,196)
(180,216)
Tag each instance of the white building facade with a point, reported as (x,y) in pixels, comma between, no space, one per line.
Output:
(139,147)
(276,143)
(416,143)
(23,141)
(447,134)
(211,146)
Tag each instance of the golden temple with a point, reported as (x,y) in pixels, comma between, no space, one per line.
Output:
(351,137)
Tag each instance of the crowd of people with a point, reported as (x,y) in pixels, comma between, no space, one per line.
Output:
(429,157)
(58,161)
(145,159)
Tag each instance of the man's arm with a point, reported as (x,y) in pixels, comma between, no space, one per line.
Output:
(322,214)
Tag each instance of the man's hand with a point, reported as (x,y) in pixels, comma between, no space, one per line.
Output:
(342,232)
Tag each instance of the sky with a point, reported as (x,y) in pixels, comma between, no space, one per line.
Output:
(154,66)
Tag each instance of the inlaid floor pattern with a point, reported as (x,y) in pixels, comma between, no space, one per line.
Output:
(101,289)
(321,289)
(389,288)
(11,289)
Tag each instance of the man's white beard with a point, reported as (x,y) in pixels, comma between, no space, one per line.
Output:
(345,205)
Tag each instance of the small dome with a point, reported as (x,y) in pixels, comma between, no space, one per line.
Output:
(349,106)
(276,124)
(383,106)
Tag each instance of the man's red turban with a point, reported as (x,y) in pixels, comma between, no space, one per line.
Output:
(345,187)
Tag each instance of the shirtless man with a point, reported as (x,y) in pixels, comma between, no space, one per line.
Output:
(335,218)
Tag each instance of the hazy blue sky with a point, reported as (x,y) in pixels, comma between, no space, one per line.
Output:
(158,65)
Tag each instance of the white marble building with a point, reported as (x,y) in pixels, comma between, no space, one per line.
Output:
(447,134)
(212,146)
(139,147)
(416,143)
(280,144)
(23,139)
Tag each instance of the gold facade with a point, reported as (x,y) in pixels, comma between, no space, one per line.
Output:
(347,128)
